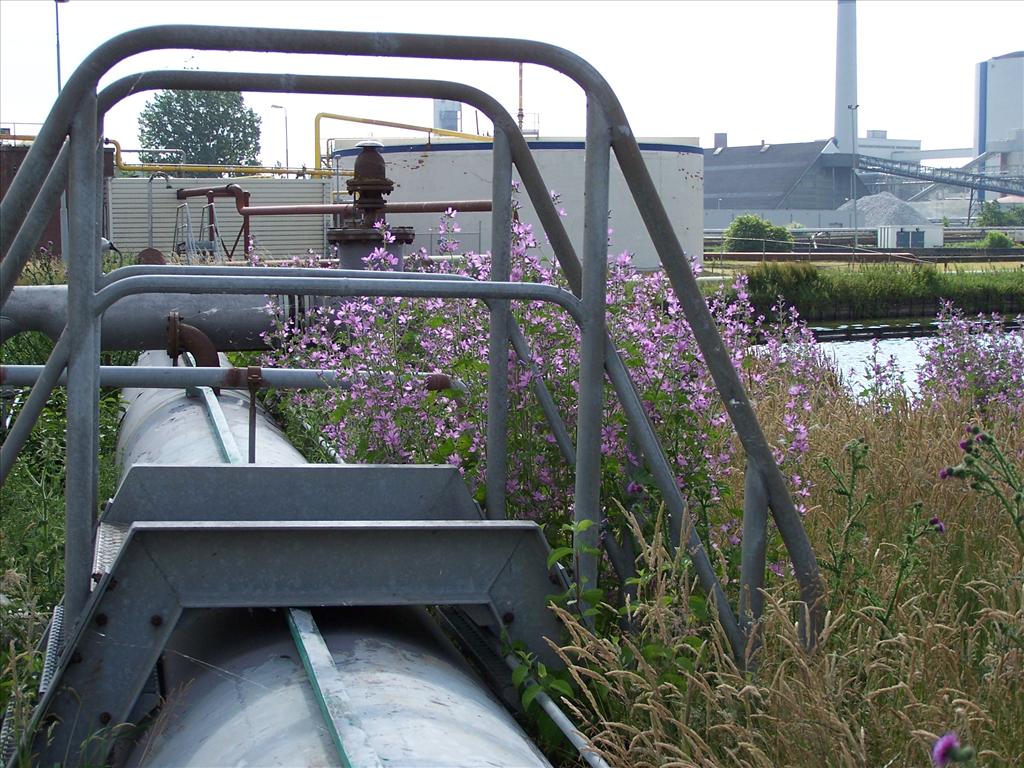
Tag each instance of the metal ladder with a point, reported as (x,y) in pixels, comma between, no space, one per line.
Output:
(185,242)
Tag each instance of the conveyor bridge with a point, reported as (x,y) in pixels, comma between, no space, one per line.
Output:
(952,176)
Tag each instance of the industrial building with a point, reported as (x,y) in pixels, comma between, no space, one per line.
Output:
(806,182)
(802,182)
(460,170)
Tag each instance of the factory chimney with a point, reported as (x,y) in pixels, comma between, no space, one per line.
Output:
(846,76)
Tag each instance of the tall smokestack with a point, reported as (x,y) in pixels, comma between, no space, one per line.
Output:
(846,75)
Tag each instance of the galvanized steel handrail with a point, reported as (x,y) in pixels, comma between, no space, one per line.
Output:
(606,127)
(534,185)
(337,286)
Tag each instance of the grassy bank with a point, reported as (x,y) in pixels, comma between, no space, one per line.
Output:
(924,636)
(32,522)
(882,291)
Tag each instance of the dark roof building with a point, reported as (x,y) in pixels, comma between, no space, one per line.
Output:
(809,175)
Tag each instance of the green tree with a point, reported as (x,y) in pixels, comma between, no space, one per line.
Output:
(994,215)
(211,127)
(997,240)
(750,232)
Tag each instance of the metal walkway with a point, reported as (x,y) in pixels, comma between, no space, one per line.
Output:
(167,549)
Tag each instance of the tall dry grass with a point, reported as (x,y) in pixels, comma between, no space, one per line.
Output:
(879,689)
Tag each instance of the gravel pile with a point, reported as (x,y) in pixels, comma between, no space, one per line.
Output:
(884,209)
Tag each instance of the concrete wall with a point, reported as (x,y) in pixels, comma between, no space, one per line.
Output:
(720,219)
(275,236)
(461,171)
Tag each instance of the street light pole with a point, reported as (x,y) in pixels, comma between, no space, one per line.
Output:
(287,164)
(853,168)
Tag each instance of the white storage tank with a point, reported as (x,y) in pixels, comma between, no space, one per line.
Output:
(460,170)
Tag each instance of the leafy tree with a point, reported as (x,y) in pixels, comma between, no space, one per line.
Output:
(750,232)
(212,127)
(993,215)
(997,240)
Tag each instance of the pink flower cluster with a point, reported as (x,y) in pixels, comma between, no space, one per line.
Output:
(979,358)
(385,346)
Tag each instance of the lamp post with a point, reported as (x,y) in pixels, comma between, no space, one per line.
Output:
(56,22)
(853,168)
(287,164)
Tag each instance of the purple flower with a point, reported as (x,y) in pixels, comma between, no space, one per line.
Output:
(937,524)
(942,752)
(945,472)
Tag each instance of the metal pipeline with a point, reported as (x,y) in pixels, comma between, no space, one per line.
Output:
(233,322)
(386,124)
(235,687)
(182,169)
(333,208)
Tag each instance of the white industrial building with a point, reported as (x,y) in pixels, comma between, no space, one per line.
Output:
(999,102)
(999,115)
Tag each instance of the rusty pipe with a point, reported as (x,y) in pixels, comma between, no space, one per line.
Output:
(244,209)
(347,208)
(224,191)
(182,337)
(337,208)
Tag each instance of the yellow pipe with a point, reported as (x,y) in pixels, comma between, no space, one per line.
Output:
(387,124)
(244,170)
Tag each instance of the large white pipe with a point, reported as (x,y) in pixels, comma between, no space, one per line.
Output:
(238,695)
(846,75)
(236,692)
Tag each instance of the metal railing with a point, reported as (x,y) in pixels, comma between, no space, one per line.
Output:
(78,113)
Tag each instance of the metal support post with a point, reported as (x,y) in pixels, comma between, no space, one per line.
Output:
(595,278)
(83,363)
(497,354)
(755,531)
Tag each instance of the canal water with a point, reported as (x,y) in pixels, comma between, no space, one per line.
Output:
(853,358)
(907,343)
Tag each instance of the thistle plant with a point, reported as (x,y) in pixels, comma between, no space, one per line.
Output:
(988,470)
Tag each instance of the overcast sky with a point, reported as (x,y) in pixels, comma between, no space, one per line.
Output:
(757,70)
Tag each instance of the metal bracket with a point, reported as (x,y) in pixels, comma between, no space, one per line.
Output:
(165,567)
(254,378)
(329,691)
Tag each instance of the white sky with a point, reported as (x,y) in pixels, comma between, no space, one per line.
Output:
(757,70)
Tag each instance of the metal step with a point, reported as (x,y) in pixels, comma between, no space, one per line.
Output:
(166,567)
(298,492)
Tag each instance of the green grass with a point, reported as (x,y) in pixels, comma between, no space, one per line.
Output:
(32,523)
(883,290)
